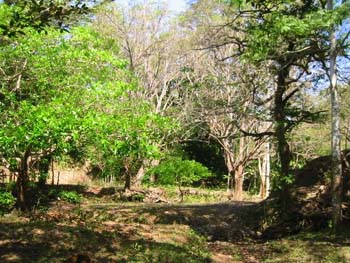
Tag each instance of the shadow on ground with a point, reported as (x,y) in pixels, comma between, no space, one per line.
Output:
(49,242)
(228,221)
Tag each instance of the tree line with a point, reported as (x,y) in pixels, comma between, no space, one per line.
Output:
(129,88)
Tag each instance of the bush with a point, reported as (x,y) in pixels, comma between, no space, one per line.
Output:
(70,196)
(10,187)
(7,202)
(179,172)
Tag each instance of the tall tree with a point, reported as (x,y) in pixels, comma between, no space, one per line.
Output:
(335,131)
(289,35)
(224,93)
(44,109)
(151,44)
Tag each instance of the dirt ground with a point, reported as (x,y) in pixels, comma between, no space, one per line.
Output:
(138,232)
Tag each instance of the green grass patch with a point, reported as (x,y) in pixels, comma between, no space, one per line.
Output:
(320,247)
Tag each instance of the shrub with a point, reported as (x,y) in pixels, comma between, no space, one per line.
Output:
(7,202)
(70,196)
(179,172)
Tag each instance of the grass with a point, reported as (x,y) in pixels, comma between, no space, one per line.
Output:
(195,195)
(137,232)
(318,247)
(122,234)
(49,242)
(312,247)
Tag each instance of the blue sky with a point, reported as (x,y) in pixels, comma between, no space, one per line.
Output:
(176,5)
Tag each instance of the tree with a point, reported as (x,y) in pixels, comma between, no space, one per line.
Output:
(179,172)
(16,16)
(335,131)
(42,68)
(151,43)
(224,94)
(289,36)
(44,105)
(121,132)
(221,109)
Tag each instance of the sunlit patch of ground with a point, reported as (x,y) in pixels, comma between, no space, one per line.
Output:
(224,232)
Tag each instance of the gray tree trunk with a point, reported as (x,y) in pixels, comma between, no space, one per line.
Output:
(264,170)
(229,161)
(335,140)
(239,171)
(239,179)
(146,164)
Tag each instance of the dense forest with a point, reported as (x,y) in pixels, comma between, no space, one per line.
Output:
(242,104)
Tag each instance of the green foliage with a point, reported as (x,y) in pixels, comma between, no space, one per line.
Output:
(296,248)
(280,22)
(44,111)
(278,182)
(198,244)
(252,179)
(138,197)
(70,196)
(125,136)
(211,156)
(7,202)
(177,171)
(11,186)
(73,98)
(17,16)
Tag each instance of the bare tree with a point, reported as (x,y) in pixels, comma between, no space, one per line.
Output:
(226,93)
(224,104)
(151,42)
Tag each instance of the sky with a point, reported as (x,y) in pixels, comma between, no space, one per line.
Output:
(177,5)
(174,5)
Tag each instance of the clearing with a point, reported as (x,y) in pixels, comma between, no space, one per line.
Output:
(108,231)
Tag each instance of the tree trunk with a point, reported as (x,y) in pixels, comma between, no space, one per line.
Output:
(230,183)
(52,172)
(262,179)
(281,122)
(127,181)
(127,175)
(264,170)
(142,171)
(139,175)
(229,161)
(22,180)
(335,140)
(280,119)
(239,178)
(44,167)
